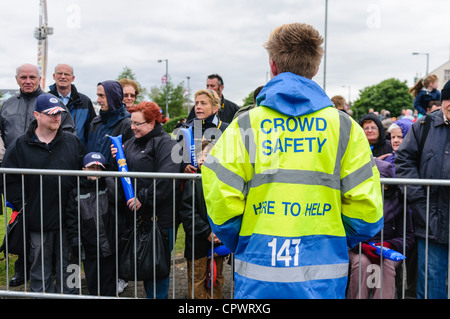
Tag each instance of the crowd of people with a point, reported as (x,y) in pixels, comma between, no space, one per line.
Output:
(292,212)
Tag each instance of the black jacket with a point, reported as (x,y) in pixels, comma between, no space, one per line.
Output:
(65,152)
(382,146)
(88,216)
(432,162)
(202,227)
(152,153)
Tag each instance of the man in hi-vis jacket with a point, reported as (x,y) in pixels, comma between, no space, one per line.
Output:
(291,185)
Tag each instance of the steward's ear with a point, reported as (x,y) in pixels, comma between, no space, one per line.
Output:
(273,68)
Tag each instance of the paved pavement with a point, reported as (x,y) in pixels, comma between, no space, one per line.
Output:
(179,290)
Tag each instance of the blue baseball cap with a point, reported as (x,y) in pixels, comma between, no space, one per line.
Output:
(48,104)
(94,158)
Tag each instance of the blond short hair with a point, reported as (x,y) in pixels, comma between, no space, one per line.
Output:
(212,95)
(296,48)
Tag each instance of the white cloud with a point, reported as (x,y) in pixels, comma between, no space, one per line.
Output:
(368,41)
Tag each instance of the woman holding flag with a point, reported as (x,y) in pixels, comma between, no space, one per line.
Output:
(150,151)
(205,125)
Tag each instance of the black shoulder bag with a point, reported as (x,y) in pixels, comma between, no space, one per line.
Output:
(142,259)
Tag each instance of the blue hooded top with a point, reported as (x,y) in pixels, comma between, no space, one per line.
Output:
(109,122)
(405,125)
(293,95)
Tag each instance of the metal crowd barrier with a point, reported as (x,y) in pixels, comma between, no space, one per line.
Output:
(8,293)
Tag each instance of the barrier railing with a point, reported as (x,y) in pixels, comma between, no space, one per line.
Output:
(76,275)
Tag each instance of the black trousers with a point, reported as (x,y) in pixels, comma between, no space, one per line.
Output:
(108,281)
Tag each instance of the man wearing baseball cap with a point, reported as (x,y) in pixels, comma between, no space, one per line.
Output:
(45,145)
(424,153)
(16,114)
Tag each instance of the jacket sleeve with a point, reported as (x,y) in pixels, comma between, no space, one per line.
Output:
(362,206)
(407,162)
(71,218)
(224,178)
(202,228)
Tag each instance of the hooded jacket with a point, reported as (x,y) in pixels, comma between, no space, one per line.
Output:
(404,124)
(289,187)
(116,121)
(382,146)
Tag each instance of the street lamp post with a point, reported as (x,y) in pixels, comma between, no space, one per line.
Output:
(349,93)
(189,93)
(167,85)
(428,59)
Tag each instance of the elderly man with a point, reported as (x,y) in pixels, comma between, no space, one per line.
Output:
(79,105)
(424,153)
(16,115)
(44,146)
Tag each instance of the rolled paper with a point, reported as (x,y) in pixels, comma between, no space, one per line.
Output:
(188,138)
(122,166)
(388,253)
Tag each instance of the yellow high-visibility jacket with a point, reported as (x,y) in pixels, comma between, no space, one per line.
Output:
(289,187)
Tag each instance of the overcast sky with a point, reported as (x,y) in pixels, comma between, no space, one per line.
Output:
(368,41)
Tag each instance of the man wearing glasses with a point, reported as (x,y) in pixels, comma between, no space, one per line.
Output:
(78,104)
(16,115)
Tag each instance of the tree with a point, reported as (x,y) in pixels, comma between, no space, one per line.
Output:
(249,99)
(176,98)
(391,94)
(127,73)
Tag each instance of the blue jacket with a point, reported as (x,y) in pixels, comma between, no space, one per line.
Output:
(82,111)
(424,97)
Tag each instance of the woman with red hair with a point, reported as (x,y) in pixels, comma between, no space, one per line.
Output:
(150,151)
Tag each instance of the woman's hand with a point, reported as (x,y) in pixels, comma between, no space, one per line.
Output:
(114,151)
(190,169)
(134,202)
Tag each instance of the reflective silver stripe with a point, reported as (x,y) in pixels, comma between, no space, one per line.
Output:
(290,274)
(84,196)
(303,177)
(345,128)
(248,138)
(357,177)
(225,175)
(296,177)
